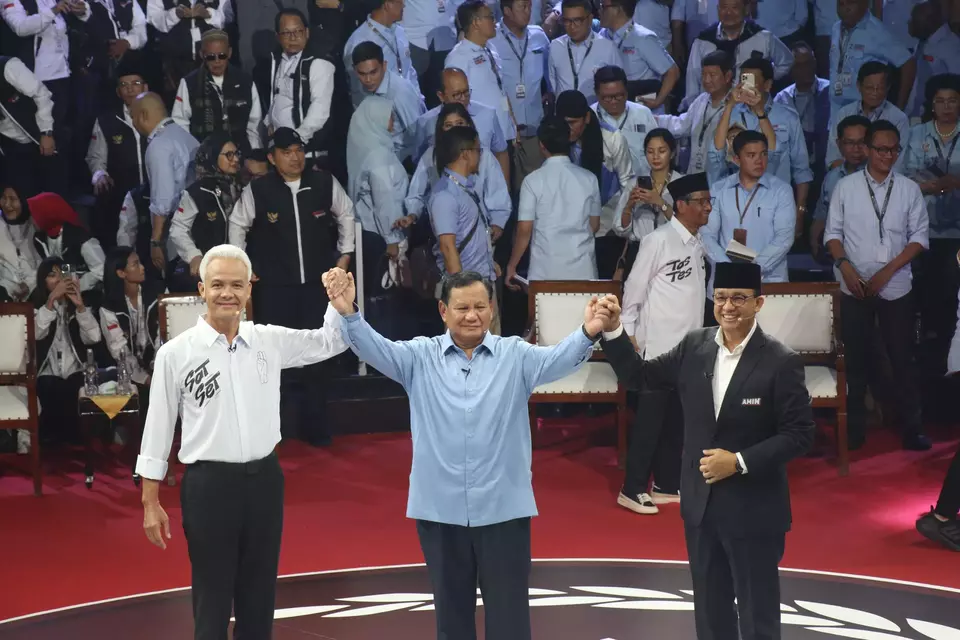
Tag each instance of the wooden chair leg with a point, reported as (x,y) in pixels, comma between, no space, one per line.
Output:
(843,451)
(35,462)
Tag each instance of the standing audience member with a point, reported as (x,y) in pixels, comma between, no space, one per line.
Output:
(809,96)
(662,303)
(181,24)
(786,19)
(940,523)
(429,28)
(576,55)
(219,97)
(26,127)
(136,228)
(382,27)
(61,234)
(876,226)
(559,211)
(18,253)
(616,110)
(938,51)
(524,51)
(721,156)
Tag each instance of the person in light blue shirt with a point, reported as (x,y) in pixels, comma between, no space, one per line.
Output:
(382,27)
(754,208)
(490,183)
(852,140)
(859,37)
(809,96)
(615,111)
(375,79)
(470,481)
(688,18)
(651,72)
(938,50)
(559,211)
(576,55)
(782,18)
(721,159)
(877,225)
(655,16)
(429,28)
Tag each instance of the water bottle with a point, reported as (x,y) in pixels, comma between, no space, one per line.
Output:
(90,375)
(123,374)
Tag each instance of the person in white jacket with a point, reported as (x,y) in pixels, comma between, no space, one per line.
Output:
(18,254)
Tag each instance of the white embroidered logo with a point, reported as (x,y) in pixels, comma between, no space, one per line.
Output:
(750,402)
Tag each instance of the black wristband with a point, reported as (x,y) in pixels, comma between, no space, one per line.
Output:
(593,339)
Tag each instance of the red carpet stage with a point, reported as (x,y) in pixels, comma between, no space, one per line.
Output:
(345,510)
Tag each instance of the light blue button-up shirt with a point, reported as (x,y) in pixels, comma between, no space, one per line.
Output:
(588,56)
(769,222)
(485,76)
(169,160)
(633,124)
(853,221)
(696,15)
(789,161)
(453,211)
(524,63)
(430,23)
(940,53)
(484,118)
(378,203)
(943,209)
(886,111)
(468,418)
(782,17)
(869,40)
(655,16)
(408,106)
(559,199)
(396,53)
(490,185)
(698,124)
(829,184)
(896,18)
(644,58)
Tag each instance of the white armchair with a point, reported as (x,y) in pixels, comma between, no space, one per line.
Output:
(18,378)
(556,310)
(805,316)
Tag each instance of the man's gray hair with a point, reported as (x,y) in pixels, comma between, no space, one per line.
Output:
(227,251)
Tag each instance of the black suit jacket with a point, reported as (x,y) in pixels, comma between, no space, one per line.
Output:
(765,416)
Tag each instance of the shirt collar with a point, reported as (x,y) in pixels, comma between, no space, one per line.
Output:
(504,29)
(288,58)
(585,43)
(209,336)
(718,338)
(160,127)
(763,181)
(558,160)
(721,35)
(466,181)
(685,234)
(616,120)
(873,183)
(844,172)
(622,32)
(446,343)
(940,34)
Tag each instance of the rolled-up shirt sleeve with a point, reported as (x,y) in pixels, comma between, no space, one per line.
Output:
(161,418)
(342,210)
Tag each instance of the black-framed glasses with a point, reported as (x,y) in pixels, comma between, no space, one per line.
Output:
(230,155)
(737,300)
(460,95)
(613,97)
(292,33)
(574,22)
(888,151)
(701,201)
(210,57)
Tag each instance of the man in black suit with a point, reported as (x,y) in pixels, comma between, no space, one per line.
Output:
(746,414)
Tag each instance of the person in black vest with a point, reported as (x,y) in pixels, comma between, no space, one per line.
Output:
(202,220)
(26,126)
(255,165)
(181,23)
(136,228)
(115,29)
(296,91)
(295,225)
(65,330)
(219,97)
(59,233)
(116,154)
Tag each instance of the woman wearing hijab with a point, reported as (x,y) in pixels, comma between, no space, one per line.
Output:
(60,233)
(18,254)
(601,149)
(203,219)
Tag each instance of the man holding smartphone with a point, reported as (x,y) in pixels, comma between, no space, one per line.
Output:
(877,224)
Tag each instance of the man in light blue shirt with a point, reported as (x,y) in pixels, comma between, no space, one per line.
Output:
(687,19)
(470,480)
(576,56)
(938,50)
(809,96)
(859,37)
(782,18)
(428,25)
(169,163)
(560,211)
(651,72)
(655,16)
(524,52)
(876,226)
(383,28)
(852,140)
(754,208)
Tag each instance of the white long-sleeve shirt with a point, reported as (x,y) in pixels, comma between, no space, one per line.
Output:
(49,32)
(165,20)
(92,254)
(26,82)
(137,35)
(181,226)
(284,102)
(62,359)
(182,109)
(229,402)
(97,151)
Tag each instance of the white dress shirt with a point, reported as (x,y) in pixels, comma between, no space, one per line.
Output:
(698,123)
(183,110)
(51,46)
(645,217)
(633,124)
(23,80)
(166,19)
(137,36)
(229,402)
(723,371)
(97,151)
(284,102)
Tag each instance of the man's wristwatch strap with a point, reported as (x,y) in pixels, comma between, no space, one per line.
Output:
(593,339)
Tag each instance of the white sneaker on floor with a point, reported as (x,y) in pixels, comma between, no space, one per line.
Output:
(641,503)
(660,497)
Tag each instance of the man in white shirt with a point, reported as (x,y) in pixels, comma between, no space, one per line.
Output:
(576,56)
(616,112)
(180,25)
(222,378)
(662,302)
(26,127)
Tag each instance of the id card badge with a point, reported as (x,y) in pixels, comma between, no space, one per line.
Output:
(521,92)
(441,6)
(837,89)
(883,251)
(740,235)
(698,161)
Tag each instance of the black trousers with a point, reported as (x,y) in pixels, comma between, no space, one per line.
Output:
(303,400)
(58,178)
(497,557)
(608,250)
(948,505)
(233,522)
(897,321)
(724,568)
(58,407)
(656,443)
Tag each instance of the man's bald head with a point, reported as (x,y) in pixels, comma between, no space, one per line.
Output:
(454,87)
(147,111)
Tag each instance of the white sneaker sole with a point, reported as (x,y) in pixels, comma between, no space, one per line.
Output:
(627,503)
(665,498)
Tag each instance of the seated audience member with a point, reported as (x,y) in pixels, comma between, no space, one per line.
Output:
(60,234)
(721,157)
(65,330)
(255,165)
(377,187)
(559,213)
(18,253)
(129,317)
(615,110)
(753,207)
(604,152)
(202,220)
(662,302)
(938,50)
(491,185)
(851,139)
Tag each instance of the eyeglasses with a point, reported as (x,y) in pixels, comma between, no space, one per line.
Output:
(888,151)
(293,33)
(461,95)
(737,300)
(614,97)
(945,102)
(132,83)
(701,201)
(230,155)
(574,22)
(853,143)
(210,57)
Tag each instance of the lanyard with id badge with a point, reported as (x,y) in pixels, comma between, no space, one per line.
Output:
(740,234)
(706,122)
(844,79)
(885,249)
(521,90)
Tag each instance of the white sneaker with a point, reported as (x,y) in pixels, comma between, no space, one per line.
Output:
(23,441)
(641,503)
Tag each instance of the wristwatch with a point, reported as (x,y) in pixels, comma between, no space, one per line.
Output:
(48,132)
(664,207)
(762,116)
(156,244)
(594,339)
(839,262)
(739,467)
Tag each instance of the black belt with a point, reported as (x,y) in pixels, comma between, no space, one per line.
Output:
(250,468)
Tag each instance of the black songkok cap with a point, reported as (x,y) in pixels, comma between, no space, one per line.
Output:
(686,185)
(737,275)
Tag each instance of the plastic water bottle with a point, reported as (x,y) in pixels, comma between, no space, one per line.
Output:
(90,384)
(123,374)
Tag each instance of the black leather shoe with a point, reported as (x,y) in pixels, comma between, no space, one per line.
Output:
(946,533)
(917,442)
